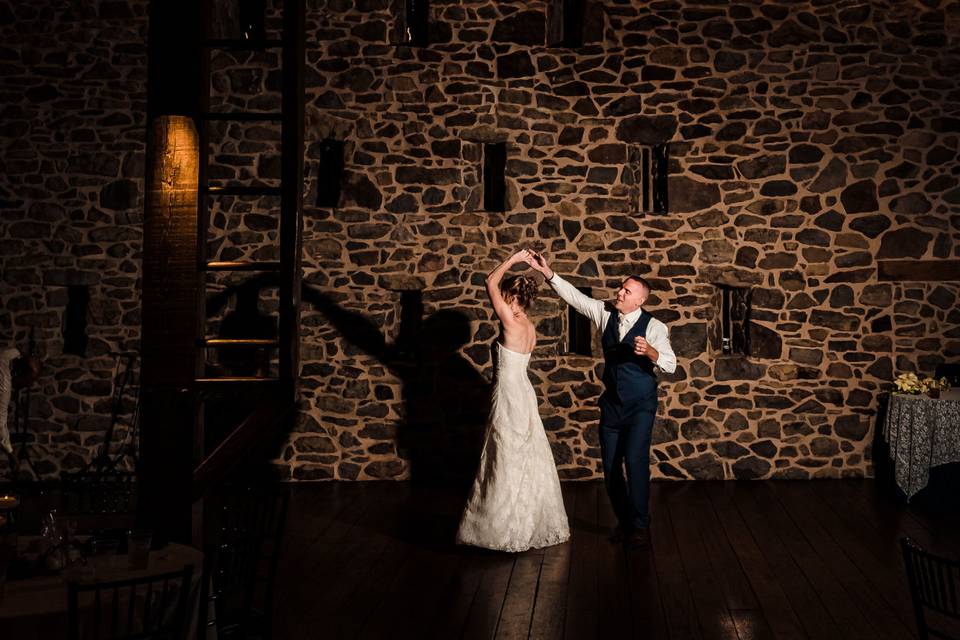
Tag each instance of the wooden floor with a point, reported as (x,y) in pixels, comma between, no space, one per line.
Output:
(739,560)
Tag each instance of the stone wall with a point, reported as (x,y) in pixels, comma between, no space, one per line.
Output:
(807,141)
(73,85)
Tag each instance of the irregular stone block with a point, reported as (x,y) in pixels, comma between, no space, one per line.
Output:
(649,130)
(703,467)
(751,468)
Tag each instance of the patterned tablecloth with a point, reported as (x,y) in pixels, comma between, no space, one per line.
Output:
(922,433)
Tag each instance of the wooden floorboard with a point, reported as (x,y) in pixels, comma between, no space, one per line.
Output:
(839,603)
(761,564)
(788,602)
(549,610)
(825,533)
(614,619)
(675,593)
(580,620)
(705,583)
(737,560)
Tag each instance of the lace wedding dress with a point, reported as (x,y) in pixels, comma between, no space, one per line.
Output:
(515,503)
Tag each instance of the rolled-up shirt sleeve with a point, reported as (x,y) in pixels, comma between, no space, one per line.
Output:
(593,309)
(659,337)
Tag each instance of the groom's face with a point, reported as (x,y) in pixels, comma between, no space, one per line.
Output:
(630,296)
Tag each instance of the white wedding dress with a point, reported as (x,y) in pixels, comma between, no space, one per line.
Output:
(515,502)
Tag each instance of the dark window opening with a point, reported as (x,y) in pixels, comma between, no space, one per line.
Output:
(658,177)
(252,15)
(735,320)
(75,320)
(411,321)
(579,329)
(331,173)
(650,168)
(573,15)
(494,180)
(566,21)
(416,23)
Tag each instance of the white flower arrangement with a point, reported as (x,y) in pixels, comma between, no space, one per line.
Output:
(911,383)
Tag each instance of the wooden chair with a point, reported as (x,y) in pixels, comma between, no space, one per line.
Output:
(240,566)
(153,607)
(934,582)
(109,492)
(99,500)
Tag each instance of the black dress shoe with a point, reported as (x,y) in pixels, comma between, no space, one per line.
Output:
(637,538)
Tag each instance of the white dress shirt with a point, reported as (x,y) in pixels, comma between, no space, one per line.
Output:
(657,333)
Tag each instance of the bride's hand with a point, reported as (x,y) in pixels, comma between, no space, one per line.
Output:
(539,263)
(521,256)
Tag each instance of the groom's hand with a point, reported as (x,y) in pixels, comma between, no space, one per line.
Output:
(539,263)
(643,348)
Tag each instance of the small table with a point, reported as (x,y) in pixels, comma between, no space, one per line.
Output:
(37,607)
(922,432)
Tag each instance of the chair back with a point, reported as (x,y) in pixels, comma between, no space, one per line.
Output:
(108,492)
(153,607)
(934,582)
(240,563)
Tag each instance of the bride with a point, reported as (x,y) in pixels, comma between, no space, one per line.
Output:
(515,502)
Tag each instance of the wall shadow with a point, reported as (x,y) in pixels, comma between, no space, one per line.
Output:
(445,400)
(445,404)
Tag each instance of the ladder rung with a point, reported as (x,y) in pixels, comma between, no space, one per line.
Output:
(238,265)
(219,343)
(244,45)
(236,190)
(244,116)
(215,382)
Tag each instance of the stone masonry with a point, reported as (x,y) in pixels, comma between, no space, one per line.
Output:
(807,141)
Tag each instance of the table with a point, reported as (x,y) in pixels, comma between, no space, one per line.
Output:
(36,608)
(921,432)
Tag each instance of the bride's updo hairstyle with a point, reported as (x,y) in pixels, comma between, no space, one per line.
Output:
(521,287)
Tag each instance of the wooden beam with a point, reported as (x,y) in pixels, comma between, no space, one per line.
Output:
(171,296)
(169,335)
(291,198)
(170,275)
(918,270)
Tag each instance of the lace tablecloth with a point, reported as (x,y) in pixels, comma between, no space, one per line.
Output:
(922,433)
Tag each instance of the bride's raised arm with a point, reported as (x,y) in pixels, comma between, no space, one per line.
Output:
(500,305)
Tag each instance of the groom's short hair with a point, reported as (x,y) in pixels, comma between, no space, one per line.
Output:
(641,280)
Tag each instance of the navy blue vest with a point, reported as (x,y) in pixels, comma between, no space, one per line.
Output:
(630,380)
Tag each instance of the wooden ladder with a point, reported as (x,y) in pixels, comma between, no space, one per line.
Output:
(279,391)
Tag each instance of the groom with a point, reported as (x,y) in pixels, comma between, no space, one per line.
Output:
(635,346)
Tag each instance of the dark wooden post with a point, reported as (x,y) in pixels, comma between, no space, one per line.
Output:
(291,199)
(171,299)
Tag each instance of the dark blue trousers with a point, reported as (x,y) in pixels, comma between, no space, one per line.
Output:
(625,436)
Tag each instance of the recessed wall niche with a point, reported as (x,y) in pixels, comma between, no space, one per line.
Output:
(573,23)
(412,19)
(729,332)
(75,320)
(579,335)
(649,168)
(330,175)
(494,176)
